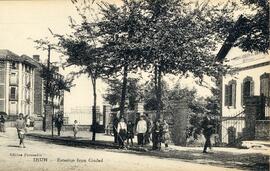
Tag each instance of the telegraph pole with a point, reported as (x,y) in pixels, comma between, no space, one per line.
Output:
(47,88)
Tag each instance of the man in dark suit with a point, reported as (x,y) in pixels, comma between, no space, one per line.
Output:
(207,132)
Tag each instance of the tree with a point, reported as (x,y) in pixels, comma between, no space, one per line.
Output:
(180,38)
(56,86)
(134,92)
(120,29)
(150,100)
(90,58)
(254,32)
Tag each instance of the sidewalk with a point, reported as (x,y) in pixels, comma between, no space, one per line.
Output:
(250,159)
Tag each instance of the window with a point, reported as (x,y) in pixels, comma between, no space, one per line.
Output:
(2,64)
(13,93)
(14,65)
(247,89)
(2,76)
(13,78)
(2,105)
(265,84)
(2,91)
(230,93)
(13,108)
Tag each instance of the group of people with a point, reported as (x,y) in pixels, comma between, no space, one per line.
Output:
(145,130)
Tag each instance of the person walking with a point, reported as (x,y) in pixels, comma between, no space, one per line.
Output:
(21,129)
(141,130)
(207,132)
(75,128)
(122,132)
(2,123)
(130,132)
(166,134)
(156,136)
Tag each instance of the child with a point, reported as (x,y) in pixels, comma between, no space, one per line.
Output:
(130,132)
(157,136)
(122,131)
(21,129)
(75,128)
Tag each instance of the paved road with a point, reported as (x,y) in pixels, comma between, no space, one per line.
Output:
(45,157)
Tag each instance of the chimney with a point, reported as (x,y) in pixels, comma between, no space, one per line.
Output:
(36,57)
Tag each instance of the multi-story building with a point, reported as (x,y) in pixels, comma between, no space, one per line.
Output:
(21,86)
(16,83)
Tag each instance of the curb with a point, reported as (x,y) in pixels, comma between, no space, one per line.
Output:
(84,143)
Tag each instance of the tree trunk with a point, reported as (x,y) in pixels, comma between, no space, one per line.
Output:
(94,111)
(52,113)
(158,92)
(155,78)
(123,94)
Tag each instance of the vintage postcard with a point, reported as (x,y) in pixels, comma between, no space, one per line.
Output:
(96,85)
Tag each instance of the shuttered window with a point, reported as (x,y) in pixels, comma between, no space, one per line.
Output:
(13,93)
(2,91)
(265,84)
(247,89)
(2,105)
(13,108)
(2,76)
(13,78)
(230,94)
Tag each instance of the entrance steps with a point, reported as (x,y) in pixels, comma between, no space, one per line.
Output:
(256,144)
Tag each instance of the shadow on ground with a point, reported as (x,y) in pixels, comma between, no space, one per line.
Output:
(246,161)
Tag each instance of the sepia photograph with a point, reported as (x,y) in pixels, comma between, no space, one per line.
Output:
(138,85)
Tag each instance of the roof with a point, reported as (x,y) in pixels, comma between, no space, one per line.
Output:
(7,55)
(234,34)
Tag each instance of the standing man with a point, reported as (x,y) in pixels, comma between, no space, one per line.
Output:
(115,125)
(156,135)
(141,130)
(207,132)
(59,123)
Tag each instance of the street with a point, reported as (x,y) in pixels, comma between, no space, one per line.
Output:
(44,156)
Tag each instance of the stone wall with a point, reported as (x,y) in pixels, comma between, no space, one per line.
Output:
(252,112)
(262,130)
(179,112)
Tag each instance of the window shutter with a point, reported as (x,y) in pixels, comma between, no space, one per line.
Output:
(226,95)
(265,84)
(242,94)
(233,95)
(251,88)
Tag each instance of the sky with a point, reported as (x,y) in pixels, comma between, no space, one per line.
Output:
(21,22)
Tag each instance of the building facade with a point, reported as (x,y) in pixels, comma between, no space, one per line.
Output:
(251,78)
(16,83)
(21,86)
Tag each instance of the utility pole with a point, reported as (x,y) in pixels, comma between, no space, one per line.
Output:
(47,88)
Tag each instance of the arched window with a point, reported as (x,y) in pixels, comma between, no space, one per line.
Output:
(230,93)
(265,84)
(247,89)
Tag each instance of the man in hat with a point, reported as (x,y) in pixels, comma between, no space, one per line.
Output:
(141,130)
